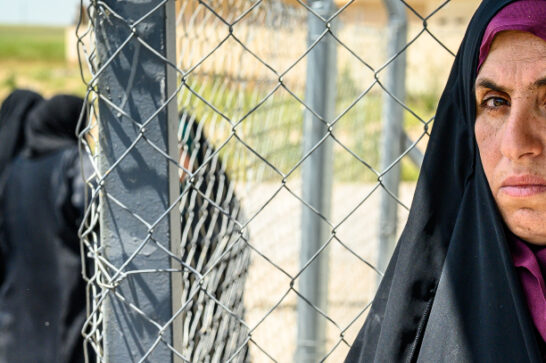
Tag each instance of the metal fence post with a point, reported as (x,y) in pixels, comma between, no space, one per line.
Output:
(392,135)
(139,184)
(317,185)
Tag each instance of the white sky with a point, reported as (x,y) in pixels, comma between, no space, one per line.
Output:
(42,12)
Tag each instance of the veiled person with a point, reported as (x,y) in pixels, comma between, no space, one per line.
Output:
(13,116)
(42,297)
(214,251)
(466,282)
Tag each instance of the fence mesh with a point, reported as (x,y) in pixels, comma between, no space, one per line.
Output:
(241,68)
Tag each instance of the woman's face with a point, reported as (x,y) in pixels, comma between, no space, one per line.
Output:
(511,130)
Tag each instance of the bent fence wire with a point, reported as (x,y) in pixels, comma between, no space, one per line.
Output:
(250,158)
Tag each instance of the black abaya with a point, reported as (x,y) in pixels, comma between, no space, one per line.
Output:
(450,292)
(42,299)
(13,116)
(212,240)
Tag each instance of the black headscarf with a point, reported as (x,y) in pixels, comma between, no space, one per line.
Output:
(52,125)
(450,292)
(211,240)
(13,116)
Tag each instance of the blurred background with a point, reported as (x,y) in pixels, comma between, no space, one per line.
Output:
(37,46)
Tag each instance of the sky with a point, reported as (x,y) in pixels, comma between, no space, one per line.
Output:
(38,12)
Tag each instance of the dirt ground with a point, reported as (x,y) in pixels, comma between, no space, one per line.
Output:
(275,233)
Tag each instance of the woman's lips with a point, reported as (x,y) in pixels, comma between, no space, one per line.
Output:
(523,186)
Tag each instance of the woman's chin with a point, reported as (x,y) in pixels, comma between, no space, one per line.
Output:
(529,225)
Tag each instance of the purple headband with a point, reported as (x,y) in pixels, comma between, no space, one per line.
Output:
(524,15)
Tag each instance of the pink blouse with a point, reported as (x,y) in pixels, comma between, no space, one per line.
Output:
(530,263)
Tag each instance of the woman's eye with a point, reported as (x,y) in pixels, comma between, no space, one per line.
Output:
(495,102)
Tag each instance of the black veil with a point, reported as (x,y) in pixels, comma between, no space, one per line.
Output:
(52,126)
(13,118)
(450,292)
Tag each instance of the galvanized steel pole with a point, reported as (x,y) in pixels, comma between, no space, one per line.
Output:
(317,185)
(142,183)
(392,135)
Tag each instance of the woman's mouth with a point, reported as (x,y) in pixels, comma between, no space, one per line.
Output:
(523,185)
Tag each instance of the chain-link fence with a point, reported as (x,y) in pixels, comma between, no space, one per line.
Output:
(251,159)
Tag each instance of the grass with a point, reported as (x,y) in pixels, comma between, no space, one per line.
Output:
(33,57)
(32,43)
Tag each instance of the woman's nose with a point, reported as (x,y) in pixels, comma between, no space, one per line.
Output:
(522,138)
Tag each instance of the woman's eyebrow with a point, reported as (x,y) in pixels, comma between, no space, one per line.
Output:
(487,83)
(540,83)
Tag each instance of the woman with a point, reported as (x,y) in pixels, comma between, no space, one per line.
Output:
(42,297)
(462,285)
(212,244)
(13,116)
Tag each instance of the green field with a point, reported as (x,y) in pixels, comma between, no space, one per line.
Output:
(34,57)
(24,43)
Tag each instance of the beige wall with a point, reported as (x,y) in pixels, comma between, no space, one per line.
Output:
(428,63)
(373,12)
(361,28)
(71,42)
